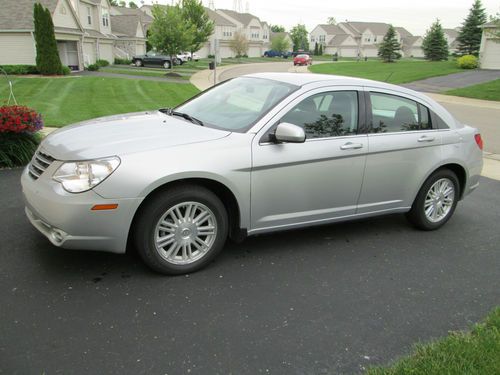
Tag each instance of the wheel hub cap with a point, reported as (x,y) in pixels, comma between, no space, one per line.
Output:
(185,233)
(439,200)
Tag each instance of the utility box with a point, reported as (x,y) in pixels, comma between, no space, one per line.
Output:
(211,65)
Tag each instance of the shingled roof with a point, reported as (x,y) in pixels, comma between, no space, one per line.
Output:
(218,19)
(125,25)
(123,11)
(244,18)
(18,14)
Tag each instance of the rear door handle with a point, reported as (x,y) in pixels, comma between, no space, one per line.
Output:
(425,138)
(351,146)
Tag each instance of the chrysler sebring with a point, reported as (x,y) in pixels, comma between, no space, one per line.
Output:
(255,154)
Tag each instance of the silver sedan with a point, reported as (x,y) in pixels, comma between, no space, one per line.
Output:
(256,154)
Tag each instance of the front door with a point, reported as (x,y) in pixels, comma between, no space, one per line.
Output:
(295,184)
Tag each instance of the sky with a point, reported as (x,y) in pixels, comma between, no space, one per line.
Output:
(415,16)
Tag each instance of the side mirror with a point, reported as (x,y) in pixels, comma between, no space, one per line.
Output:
(286,132)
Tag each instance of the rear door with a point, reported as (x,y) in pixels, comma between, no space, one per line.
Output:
(404,146)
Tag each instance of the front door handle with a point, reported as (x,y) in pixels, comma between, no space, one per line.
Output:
(425,138)
(351,146)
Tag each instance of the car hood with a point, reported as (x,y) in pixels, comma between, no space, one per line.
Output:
(125,134)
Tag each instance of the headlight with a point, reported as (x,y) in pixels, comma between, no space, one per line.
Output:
(80,176)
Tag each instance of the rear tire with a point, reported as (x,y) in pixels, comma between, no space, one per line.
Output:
(436,201)
(181,230)
(138,63)
(166,64)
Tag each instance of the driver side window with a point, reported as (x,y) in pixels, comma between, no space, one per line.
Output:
(329,114)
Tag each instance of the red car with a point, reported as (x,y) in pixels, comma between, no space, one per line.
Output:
(302,60)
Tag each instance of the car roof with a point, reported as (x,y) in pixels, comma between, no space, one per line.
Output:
(304,79)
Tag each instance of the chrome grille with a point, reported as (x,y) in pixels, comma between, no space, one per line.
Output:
(39,164)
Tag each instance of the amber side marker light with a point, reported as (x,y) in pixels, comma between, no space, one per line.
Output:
(103,207)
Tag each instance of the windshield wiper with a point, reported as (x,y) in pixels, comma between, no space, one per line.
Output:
(171,112)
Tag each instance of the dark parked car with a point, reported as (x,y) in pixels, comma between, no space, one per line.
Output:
(154,59)
(273,53)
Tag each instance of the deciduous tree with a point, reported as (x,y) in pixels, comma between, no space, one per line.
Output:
(194,13)
(239,44)
(280,44)
(299,37)
(169,32)
(277,29)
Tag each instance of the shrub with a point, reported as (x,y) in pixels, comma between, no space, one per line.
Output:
(93,67)
(18,135)
(102,63)
(467,62)
(66,70)
(19,69)
(119,61)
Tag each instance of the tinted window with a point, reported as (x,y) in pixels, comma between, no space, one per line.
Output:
(396,114)
(328,114)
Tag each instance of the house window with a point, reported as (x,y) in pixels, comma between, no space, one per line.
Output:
(375,39)
(105,17)
(322,38)
(312,38)
(89,15)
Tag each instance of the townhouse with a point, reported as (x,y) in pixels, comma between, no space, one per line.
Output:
(84,32)
(227,24)
(353,39)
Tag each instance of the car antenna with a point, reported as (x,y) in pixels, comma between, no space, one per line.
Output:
(389,76)
(11,91)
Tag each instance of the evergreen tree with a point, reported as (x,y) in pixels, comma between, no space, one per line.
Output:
(434,45)
(390,47)
(320,52)
(47,54)
(469,38)
(316,49)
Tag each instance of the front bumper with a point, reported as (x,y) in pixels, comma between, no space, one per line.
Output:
(67,219)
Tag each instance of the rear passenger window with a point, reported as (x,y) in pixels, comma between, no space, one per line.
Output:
(392,113)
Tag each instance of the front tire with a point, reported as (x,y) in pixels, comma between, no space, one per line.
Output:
(138,63)
(181,230)
(436,201)
(166,64)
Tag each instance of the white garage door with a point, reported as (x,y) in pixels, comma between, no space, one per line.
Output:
(491,55)
(348,52)
(88,53)
(140,48)
(106,52)
(254,52)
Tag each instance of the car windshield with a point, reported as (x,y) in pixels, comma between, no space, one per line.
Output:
(238,104)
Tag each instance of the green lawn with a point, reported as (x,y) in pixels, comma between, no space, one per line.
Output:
(147,72)
(400,72)
(486,91)
(63,101)
(472,353)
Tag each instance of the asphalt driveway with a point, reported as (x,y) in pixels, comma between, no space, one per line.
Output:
(454,81)
(326,300)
